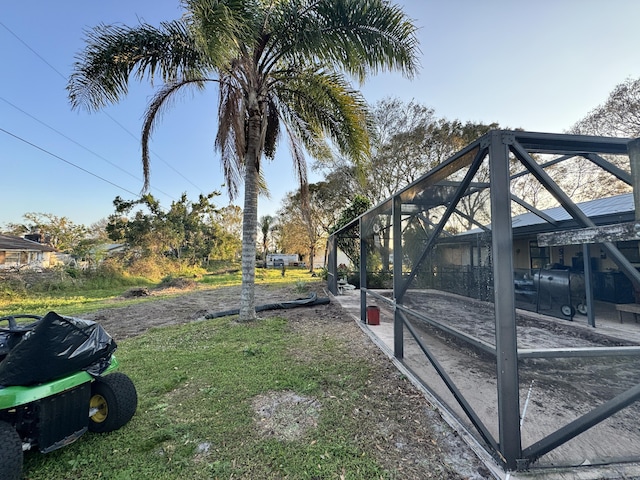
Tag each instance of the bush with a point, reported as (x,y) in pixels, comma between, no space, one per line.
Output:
(322,273)
(12,286)
(379,279)
(374,279)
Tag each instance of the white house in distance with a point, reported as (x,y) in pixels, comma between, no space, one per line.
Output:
(279,259)
(20,253)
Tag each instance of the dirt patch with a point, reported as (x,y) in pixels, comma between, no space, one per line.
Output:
(399,425)
(285,416)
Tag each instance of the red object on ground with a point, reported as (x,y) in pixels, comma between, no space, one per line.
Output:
(373,315)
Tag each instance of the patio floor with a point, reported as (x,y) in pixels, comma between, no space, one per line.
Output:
(544,415)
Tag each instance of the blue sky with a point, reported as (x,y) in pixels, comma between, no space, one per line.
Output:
(539,65)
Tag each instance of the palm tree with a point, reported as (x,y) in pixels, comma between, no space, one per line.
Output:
(277,64)
(266,222)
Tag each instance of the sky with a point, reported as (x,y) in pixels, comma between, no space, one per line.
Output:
(538,65)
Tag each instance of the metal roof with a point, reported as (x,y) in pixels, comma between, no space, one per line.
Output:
(593,208)
(598,208)
(11,242)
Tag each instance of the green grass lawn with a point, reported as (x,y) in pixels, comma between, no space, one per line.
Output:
(70,298)
(195,418)
(198,383)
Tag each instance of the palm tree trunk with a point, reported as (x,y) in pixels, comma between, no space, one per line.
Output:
(249,227)
(250,220)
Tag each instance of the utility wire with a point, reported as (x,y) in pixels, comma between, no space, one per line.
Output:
(158,156)
(81,146)
(32,50)
(66,161)
(105,113)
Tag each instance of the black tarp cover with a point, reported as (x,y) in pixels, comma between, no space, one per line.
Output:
(56,347)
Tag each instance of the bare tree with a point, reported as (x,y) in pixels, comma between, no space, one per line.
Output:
(619,116)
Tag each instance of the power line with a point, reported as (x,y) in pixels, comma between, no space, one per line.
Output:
(66,161)
(32,50)
(81,146)
(105,113)
(158,156)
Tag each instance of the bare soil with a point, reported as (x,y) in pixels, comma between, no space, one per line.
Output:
(404,431)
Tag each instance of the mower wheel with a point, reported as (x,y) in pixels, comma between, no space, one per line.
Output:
(113,402)
(10,452)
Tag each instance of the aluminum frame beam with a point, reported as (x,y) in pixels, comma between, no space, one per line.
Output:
(578,352)
(398,324)
(574,211)
(505,308)
(581,424)
(466,407)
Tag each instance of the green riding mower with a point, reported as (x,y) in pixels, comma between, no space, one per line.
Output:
(57,380)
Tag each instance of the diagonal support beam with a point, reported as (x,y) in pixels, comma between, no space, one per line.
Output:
(475,165)
(581,424)
(533,210)
(466,407)
(544,165)
(574,211)
(610,167)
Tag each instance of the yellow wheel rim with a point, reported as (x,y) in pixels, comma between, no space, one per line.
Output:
(100,404)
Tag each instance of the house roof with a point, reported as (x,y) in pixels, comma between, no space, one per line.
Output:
(600,207)
(602,210)
(11,242)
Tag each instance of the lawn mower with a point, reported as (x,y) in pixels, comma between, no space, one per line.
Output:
(57,381)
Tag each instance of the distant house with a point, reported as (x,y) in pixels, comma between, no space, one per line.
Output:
(282,259)
(20,253)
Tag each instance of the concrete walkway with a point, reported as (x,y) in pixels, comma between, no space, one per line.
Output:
(421,373)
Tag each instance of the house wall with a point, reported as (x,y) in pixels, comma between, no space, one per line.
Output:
(521,259)
(567,255)
(24,259)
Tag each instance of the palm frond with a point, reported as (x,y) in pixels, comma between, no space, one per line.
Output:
(263,188)
(223,28)
(367,36)
(318,103)
(114,53)
(359,37)
(160,102)
(230,139)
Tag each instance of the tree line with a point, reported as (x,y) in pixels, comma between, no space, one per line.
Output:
(281,69)
(152,241)
(407,140)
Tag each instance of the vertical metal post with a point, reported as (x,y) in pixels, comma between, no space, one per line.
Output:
(398,324)
(332,265)
(588,287)
(502,257)
(363,273)
(633,147)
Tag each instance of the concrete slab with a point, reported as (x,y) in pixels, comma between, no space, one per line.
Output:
(544,410)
